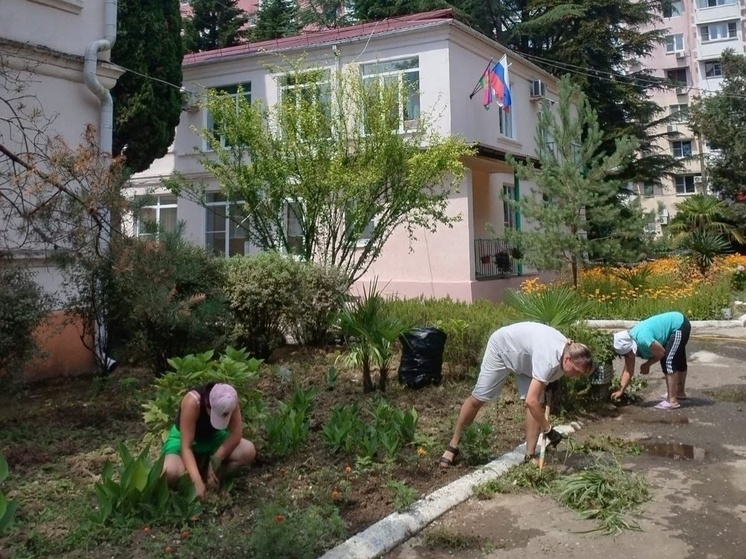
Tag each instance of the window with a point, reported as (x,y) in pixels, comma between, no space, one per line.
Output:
(675,9)
(679,113)
(361,237)
(160,216)
(233,91)
(678,76)
(681,148)
(675,43)
(713,69)
(714,3)
(648,190)
(291,219)
(508,210)
(684,185)
(718,31)
(310,94)
(404,75)
(506,122)
(225,228)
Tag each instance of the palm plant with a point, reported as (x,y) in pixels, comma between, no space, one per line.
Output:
(701,227)
(372,332)
(557,307)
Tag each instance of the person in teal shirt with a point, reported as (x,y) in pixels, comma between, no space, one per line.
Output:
(662,337)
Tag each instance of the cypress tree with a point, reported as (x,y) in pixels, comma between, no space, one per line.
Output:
(214,24)
(275,18)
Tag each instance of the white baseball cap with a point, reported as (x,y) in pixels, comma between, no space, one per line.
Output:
(623,343)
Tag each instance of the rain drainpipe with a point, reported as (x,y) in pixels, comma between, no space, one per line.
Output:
(105,133)
(106,120)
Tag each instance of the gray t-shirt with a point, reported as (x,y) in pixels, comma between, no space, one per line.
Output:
(527,348)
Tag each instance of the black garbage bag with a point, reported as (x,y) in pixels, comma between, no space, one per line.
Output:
(422,357)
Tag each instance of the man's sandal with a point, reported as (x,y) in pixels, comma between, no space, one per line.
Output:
(448,462)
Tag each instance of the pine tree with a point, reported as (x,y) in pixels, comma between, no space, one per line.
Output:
(573,171)
(275,18)
(214,24)
(147,110)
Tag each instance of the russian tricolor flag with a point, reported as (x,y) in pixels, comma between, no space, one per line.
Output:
(496,85)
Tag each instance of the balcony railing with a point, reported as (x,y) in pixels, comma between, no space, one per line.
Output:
(495,258)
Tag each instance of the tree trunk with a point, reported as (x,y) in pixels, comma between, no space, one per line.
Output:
(383,375)
(367,380)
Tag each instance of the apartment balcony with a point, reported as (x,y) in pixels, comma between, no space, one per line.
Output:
(494,259)
(713,85)
(717,13)
(713,49)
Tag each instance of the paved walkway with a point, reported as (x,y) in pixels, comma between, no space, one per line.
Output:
(698,508)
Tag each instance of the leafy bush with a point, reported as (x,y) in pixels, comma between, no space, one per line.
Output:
(7,506)
(272,295)
(288,427)
(234,367)
(467,325)
(300,533)
(402,494)
(555,306)
(165,299)
(391,429)
(476,443)
(23,306)
(141,492)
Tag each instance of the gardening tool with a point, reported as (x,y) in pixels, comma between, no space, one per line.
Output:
(543,441)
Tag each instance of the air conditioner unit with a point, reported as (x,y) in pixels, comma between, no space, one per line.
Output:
(663,219)
(538,89)
(698,179)
(681,54)
(190,101)
(681,90)
(672,128)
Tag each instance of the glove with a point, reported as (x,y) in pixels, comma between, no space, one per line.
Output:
(554,437)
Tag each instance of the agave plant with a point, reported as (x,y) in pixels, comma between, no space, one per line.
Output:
(372,333)
(557,307)
(637,276)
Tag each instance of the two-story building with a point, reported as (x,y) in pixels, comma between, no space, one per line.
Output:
(444,59)
(54,81)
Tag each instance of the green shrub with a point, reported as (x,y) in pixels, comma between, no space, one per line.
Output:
(234,367)
(468,326)
(7,506)
(23,307)
(140,492)
(165,299)
(295,533)
(554,306)
(402,494)
(272,295)
(476,443)
(288,427)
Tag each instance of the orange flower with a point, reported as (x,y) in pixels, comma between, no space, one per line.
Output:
(280,518)
(146,529)
(185,534)
(168,549)
(335,494)
(348,469)
(421,452)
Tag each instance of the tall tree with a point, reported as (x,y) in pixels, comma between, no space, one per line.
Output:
(275,18)
(147,99)
(576,191)
(214,24)
(323,170)
(721,120)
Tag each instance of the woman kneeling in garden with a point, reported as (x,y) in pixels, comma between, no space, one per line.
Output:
(207,437)
(537,355)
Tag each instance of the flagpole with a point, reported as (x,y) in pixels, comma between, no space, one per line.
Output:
(474,91)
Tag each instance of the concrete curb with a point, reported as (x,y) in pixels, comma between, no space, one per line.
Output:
(740,322)
(386,534)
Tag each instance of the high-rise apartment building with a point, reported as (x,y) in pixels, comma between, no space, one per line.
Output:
(698,31)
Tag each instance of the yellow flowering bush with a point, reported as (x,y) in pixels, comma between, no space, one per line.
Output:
(667,284)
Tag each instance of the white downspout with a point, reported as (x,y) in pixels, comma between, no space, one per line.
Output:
(106,120)
(105,133)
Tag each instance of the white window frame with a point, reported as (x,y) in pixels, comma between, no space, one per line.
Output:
(677,9)
(378,71)
(158,206)
(679,112)
(208,122)
(509,218)
(707,4)
(505,120)
(366,234)
(676,43)
(684,181)
(287,216)
(717,69)
(678,148)
(730,27)
(228,206)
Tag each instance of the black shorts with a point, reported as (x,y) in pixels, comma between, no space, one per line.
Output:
(674,360)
